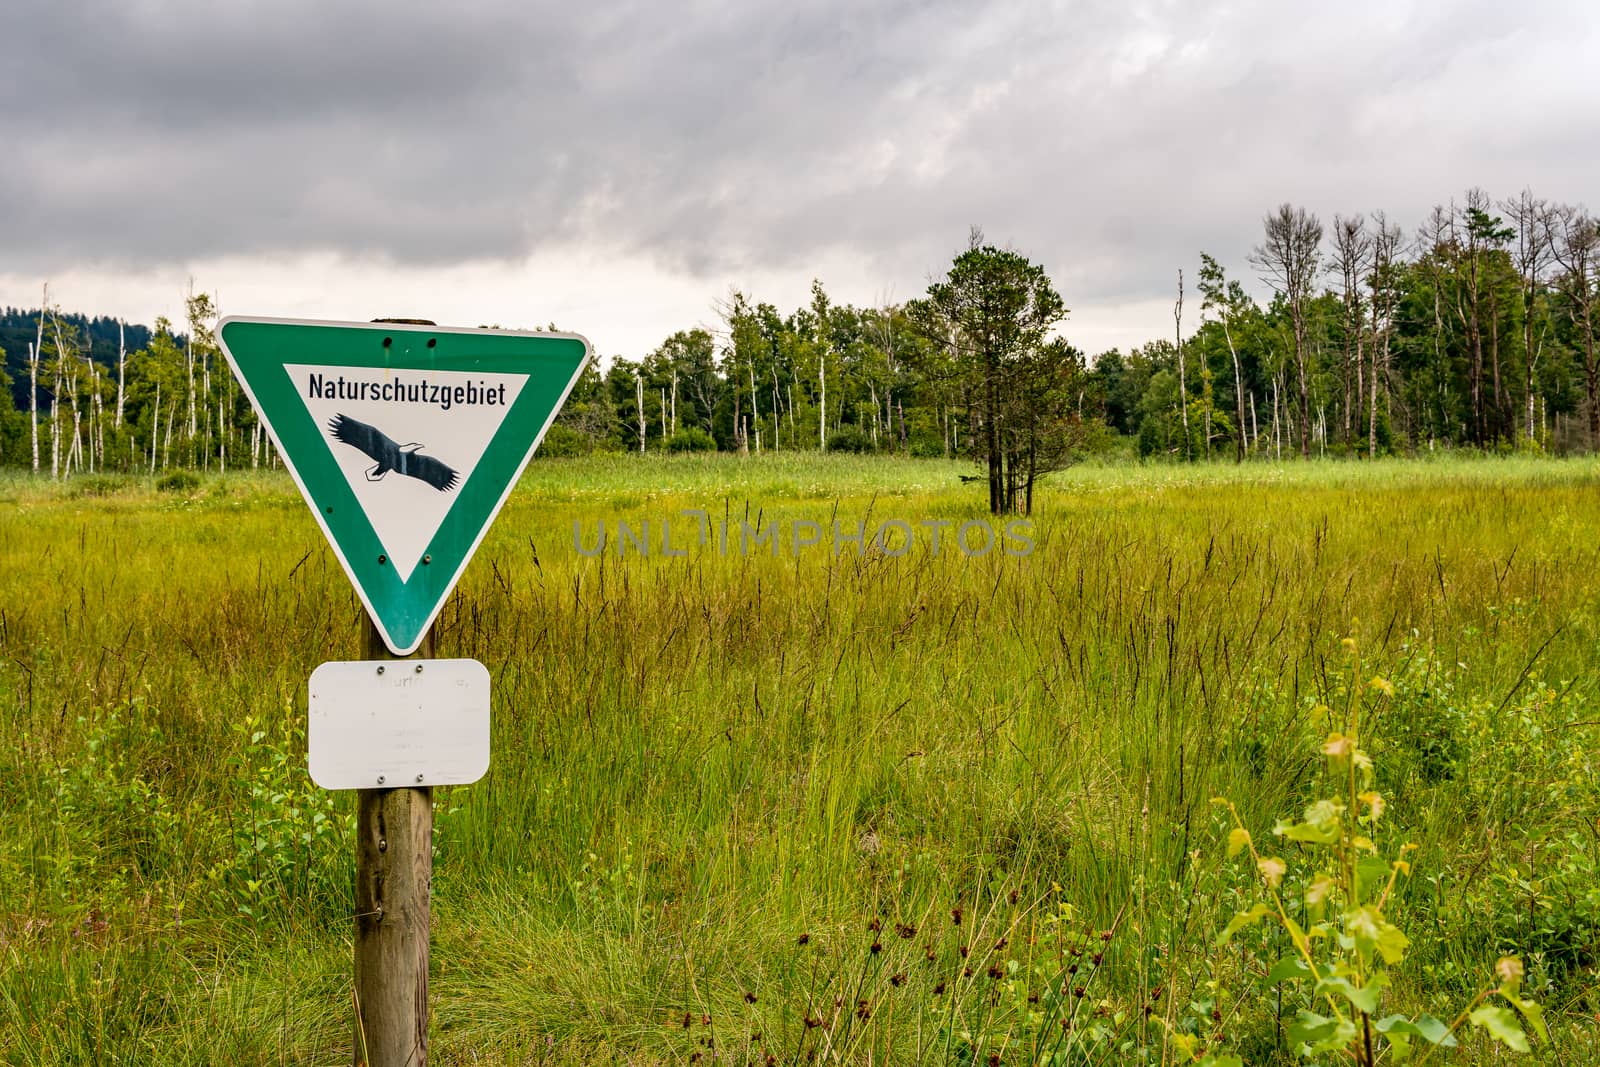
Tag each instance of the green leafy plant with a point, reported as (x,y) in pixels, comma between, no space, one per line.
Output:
(691,439)
(178,482)
(288,841)
(1335,908)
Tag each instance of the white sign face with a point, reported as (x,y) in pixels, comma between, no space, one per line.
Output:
(386,724)
(442,422)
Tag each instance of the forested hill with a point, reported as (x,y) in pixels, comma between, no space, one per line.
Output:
(19,329)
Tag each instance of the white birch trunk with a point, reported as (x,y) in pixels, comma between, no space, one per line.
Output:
(122,364)
(1183,376)
(822,420)
(33,400)
(638,394)
(155,428)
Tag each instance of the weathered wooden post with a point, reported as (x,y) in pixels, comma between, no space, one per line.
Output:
(394,886)
(394,879)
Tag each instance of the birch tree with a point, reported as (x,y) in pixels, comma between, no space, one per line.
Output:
(1183,378)
(35,354)
(1230,304)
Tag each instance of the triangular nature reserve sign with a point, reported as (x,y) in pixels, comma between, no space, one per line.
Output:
(405,441)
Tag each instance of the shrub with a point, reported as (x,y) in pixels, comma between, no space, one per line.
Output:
(691,439)
(849,439)
(563,442)
(1329,887)
(98,485)
(179,482)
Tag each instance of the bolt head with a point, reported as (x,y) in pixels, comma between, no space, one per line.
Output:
(419,668)
(380,670)
(380,779)
(419,777)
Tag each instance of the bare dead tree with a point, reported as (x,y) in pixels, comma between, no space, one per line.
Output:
(1287,261)
(1575,245)
(638,400)
(1183,377)
(36,353)
(1385,289)
(1352,244)
(1531,217)
(122,366)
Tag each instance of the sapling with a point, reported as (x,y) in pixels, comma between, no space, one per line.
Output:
(1344,941)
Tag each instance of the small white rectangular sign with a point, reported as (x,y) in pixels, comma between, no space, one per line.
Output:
(386,724)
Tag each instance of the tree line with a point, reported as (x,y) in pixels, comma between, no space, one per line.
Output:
(1474,329)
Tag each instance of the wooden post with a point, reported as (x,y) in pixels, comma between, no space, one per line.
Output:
(394,877)
(394,883)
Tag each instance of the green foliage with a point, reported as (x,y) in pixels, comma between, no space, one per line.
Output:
(179,481)
(1335,905)
(100,484)
(691,439)
(849,439)
(563,442)
(289,847)
(696,760)
(987,324)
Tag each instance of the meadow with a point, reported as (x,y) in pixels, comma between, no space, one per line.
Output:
(864,807)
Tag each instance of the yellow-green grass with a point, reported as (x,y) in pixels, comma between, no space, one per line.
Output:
(697,759)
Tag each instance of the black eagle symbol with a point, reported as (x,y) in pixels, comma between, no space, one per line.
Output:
(388,456)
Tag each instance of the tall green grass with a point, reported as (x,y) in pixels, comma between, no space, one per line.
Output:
(698,760)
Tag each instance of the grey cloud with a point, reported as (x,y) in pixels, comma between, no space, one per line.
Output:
(1112,141)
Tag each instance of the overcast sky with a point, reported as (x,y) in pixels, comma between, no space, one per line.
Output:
(615,168)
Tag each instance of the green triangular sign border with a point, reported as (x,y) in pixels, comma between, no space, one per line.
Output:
(259,349)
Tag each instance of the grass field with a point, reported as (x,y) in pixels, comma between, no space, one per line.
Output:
(864,808)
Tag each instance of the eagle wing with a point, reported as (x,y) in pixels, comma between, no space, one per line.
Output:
(369,439)
(436,473)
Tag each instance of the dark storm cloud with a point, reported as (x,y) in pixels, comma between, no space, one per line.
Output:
(1111,140)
